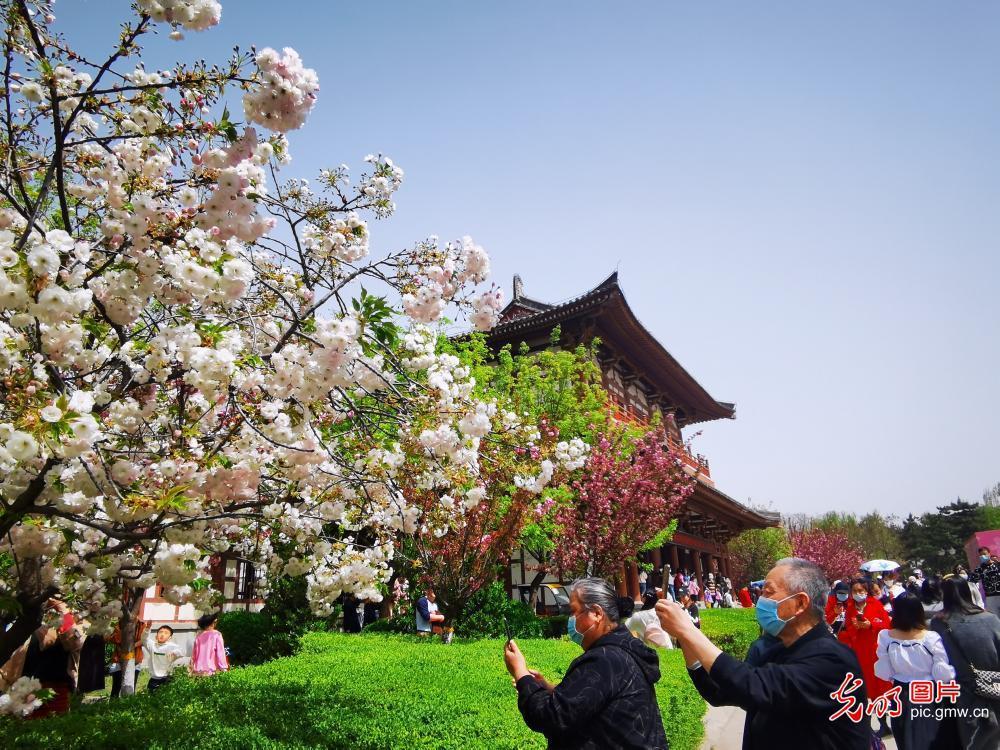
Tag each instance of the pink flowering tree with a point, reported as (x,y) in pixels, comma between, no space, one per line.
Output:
(833,551)
(629,492)
(189,363)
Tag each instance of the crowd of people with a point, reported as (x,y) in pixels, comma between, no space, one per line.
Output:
(69,664)
(829,658)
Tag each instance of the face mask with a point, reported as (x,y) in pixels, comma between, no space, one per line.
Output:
(575,635)
(842,596)
(767,615)
(860,598)
(984,558)
(964,576)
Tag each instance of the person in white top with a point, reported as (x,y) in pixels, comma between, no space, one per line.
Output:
(906,653)
(163,656)
(645,625)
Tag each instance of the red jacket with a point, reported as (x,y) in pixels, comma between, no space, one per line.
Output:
(864,640)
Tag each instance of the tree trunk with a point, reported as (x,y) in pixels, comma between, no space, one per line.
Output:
(536,587)
(127,624)
(30,619)
(385,606)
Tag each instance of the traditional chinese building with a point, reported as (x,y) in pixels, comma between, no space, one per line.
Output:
(644,381)
(238,580)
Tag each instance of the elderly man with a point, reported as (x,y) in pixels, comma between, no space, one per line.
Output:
(788,698)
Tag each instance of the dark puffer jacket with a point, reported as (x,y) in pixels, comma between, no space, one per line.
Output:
(606,700)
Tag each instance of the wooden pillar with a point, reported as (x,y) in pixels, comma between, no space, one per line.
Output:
(633,580)
(725,565)
(656,557)
(675,561)
(698,570)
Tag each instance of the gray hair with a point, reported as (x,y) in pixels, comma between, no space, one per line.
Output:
(597,592)
(803,576)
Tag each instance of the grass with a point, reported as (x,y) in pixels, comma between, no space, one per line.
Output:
(371,692)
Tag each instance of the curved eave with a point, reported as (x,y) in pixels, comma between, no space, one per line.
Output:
(720,504)
(619,327)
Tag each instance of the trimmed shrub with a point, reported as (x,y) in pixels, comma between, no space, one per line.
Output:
(256,637)
(373,693)
(485,613)
(732,630)
(484,618)
(554,626)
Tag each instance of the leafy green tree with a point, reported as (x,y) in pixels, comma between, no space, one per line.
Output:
(755,551)
(876,535)
(936,541)
(989,512)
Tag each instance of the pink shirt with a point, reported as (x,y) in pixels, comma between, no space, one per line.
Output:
(209,654)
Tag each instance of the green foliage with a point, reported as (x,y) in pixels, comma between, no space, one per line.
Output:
(936,541)
(876,535)
(483,618)
(755,551)
(374,693)
(247,636)
(732,630)
(661,538)
(256,637)
(554,626)
(486,612)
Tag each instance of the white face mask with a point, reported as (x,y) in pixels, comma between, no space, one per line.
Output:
(860,598)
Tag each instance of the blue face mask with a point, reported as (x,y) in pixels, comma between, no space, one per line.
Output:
(841,596)
(767,615)
(984,558)
(575,635)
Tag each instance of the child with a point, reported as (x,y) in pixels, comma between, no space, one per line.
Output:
(209,654)
(163,652)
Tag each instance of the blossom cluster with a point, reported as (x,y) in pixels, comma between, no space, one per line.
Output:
(183,382)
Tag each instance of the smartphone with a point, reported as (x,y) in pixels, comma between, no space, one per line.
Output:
(507,630)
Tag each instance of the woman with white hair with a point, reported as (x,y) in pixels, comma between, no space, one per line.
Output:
(607,699)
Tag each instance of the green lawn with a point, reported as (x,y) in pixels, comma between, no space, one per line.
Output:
(369,692)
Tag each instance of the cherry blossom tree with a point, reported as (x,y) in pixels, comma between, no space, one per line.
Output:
(189,363)
(463,554)
(629,492)
(833,551)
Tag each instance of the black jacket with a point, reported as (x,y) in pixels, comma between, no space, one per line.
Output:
(606,700)
(787,699)
(989,574)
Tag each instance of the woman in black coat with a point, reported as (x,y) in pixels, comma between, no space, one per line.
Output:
(970,634)
(607,699)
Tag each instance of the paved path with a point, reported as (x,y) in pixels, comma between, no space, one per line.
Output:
(724,729)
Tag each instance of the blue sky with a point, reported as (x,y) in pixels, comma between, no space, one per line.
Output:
(801,199)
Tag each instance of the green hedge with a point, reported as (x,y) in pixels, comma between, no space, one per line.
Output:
(341,691)
(732,630)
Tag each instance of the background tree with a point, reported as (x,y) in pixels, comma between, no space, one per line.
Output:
(837,555)
(754,552)
(629,492)
(876,535)
(989,513)
(936,541)
(462,555)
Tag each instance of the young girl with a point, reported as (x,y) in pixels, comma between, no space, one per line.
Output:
(906,653)
(209,654)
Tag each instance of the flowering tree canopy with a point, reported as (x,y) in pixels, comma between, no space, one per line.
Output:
(188,362)
(833,551)
(462,554)
(629,492)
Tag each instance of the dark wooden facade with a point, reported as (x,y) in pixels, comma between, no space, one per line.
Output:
(644,381)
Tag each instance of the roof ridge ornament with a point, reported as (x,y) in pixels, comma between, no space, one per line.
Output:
(518,286)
